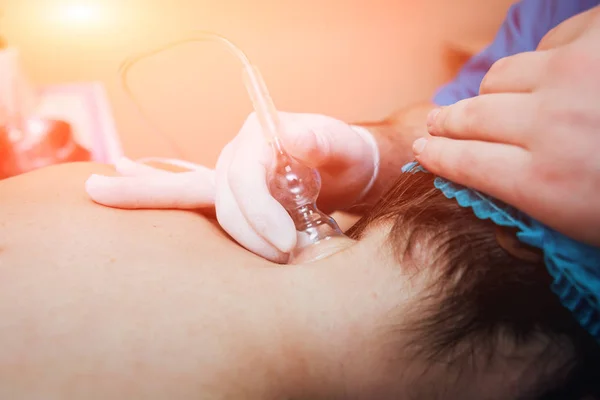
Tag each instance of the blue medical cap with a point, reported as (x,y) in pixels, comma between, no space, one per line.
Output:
(574,266)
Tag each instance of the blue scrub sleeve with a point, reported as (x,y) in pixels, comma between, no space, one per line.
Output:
(525,25)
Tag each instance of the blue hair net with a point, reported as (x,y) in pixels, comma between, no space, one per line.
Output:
(574,266)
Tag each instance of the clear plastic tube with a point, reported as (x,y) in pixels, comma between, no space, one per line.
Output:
(294,185)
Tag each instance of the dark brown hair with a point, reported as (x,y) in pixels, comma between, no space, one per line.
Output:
(484,293)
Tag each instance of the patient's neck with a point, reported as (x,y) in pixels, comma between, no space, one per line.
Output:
(303,342)
(330,313)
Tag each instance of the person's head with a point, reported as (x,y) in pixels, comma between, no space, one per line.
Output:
(468,312)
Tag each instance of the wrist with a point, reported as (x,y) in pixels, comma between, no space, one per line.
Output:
(369,138)
(394,137)
(390,156)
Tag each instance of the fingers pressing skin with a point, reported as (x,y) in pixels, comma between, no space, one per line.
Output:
(246,165)
(232,219)
(266,216)
(485,118)
(186,190)
(245,207)
(492,168)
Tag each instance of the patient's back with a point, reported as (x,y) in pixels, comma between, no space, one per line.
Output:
(135,304)
(46,217)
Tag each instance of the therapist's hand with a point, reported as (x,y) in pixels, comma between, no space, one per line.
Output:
(532,137)
(237,188)
(246,209)
(141,186)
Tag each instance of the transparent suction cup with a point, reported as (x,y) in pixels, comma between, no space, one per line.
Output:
(296,187)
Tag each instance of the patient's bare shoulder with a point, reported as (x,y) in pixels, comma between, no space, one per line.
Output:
(64,182)
(50,205)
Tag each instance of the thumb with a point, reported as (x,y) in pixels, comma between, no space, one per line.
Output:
(317,140)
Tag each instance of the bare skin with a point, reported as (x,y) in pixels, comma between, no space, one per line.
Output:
(395,136)
(102,303)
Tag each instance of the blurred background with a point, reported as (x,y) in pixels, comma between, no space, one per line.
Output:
(351,59)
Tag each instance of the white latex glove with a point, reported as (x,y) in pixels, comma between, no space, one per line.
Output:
(345,156)
(143,187)
(246,210)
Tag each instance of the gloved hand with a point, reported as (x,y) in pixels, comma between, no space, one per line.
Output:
(142,186)
(345,156)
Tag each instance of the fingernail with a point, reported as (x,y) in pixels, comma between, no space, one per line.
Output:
(419,146)
(431,118)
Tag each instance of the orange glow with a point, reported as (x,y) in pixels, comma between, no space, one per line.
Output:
(353,60)
(80,13)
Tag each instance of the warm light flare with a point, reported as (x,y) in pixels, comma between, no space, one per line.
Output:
(80,13)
